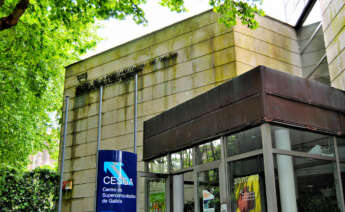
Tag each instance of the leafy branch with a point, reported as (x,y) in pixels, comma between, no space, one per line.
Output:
(12,19)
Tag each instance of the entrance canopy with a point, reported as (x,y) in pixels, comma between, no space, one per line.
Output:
(258,96)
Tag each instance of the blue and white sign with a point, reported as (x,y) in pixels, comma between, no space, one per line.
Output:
(117,180)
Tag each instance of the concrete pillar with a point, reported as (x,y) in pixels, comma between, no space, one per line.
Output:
(178,192)
(286,174)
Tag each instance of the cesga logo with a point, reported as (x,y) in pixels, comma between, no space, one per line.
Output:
(119,175)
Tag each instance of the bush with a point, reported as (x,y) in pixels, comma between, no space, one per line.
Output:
(35,190)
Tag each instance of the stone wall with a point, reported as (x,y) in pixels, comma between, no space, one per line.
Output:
(273,44)
(333,23)
(207,55)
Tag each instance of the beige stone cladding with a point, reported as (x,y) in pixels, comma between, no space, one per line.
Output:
(208,54)
(273,44)
(333,21)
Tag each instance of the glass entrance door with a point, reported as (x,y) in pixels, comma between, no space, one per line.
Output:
(265,168)
(157,194)
(208,157)
(209,190)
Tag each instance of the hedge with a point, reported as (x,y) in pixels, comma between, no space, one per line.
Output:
(35,190)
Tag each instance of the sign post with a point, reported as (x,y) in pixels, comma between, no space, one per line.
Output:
(63,153)
(116,181)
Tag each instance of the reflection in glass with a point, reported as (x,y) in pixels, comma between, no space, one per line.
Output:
(321,73)
(188,192)
(176,161)
(314,15)
(341,149)
(208,190)
(187,158)
(302,141)
(157,195)
(247,187)
(314,62)
(208,152)
(312,182)
(181,160)
(245,141)
(159,165)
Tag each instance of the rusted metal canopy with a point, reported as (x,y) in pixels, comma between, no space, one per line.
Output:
(260,95)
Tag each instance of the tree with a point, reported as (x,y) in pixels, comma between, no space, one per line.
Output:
(38,38)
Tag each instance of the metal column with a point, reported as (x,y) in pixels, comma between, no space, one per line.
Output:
(196,182)
(224,178)
(271,196)
(340,183)
(99,133)
(135,111)
(63,151)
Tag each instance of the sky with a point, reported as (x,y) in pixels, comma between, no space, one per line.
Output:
(115,32)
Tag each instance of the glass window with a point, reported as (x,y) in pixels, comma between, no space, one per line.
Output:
(188,192)
(208,190)
(306,184)
(321,73)
(181,160)
(245,141)
(208,152)
(313,52)
(247,186)
(157,195)
(287,11)
(159,165)
(302,141)
(176,161)
(341,148)
(187,158)
(314,16)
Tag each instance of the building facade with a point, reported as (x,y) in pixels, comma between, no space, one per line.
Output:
(176,64)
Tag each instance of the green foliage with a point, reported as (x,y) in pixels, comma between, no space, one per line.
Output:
(245,10)
(316,201)
(32,60)
(85,12)
(174,5)
(158,199)
(50,35)
(35,190)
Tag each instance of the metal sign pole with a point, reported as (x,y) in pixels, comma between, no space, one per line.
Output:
(99,132)
(63,152)
(135,110)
